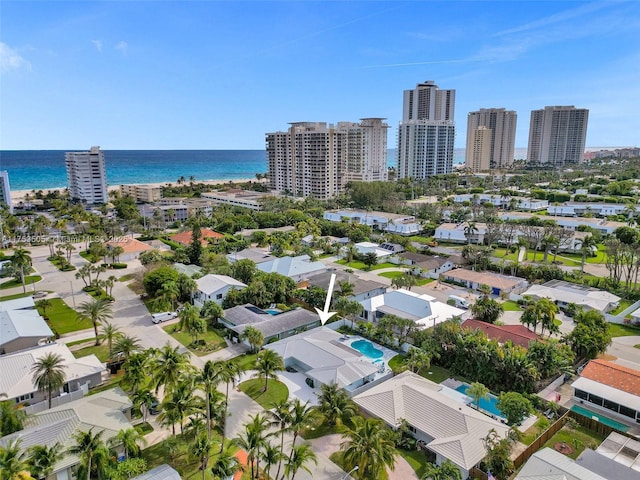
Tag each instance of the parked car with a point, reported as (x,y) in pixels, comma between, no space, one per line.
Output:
(154,408)
(40,294)
(163,317)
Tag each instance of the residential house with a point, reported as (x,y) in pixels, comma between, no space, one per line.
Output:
(107,412)
(499,284)
(604,226)
(362,289)
(206,234)
(578,209)
(297,268)
(21,326)
(423,309)
(547,464)
(163,472)
(188,270)
(386,222)
(325,357)
(563,293)
(428,266)
(609,388)
(500,201)
(364,248)
(617,458)
(239,198)
(461,232)
(214,288)
(516,334)
(256,255)
(16,381)
(131,248)
(443,423)
(272,323)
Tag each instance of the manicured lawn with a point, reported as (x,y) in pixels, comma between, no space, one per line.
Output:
(336,457)
(28,280)
(578,438)
(397,362)
(415,458)
(100,351)
(208,342)
(357,265)
(62,318)
(17,295)
(87,256)
(246,361)
(435,373)
(143,428)
(510,306)
(127,277)
(391,275)
(599,258)
(619,330)
(319,428)
(623,305)
(276,391)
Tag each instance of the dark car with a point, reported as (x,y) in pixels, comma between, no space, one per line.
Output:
(154,408)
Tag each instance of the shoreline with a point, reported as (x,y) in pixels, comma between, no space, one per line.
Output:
(19,195)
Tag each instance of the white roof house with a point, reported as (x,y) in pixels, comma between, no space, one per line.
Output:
(455,232)
(322,357)
(423,309)
(297,268)
(16,380)
(107,411)
(450,429)
(215,288)
(388,222)
(547,464)
(367,247)
(17,304)
(20,329)
(564,293)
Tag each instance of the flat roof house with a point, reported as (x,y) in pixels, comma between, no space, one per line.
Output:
(321,355)
(423,309)
(460,233)
(387,222)
(256,255)
(21,326)
(610,387)
(563,293)
(451,430)
(272,324)
(107,412)
(214,288)
(474,280)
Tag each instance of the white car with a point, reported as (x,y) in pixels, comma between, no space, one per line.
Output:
(163,317)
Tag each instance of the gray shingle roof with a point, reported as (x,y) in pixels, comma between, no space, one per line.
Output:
(270,325)
(359,285)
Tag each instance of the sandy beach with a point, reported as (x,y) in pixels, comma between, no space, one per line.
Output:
(18,195)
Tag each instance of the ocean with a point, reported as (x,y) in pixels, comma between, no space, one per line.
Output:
(43,169)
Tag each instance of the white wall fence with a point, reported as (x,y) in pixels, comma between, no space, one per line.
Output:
(619,318)
(57,401)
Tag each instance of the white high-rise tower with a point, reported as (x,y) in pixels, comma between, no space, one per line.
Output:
(87,176)
(426,133)
(502,124)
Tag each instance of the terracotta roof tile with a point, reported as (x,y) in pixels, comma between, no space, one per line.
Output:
(613,375)
(205,233)
(518,334)
(130,245)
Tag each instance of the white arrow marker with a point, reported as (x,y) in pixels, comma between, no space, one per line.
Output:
(326,314)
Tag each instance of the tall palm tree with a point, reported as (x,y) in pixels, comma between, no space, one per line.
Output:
(111,333)
(11,418)
(96,311)
(271,455)
(87,446)
(334,403)
(181,402)
(477,391)
(280,418)
(129,438)
(445,471)
(143,399)
(254,337)
(48,374)
(252,439)
(169,366)
(187,316)
(230,373)
(268,364)
(12,461)
(126,345)
(369,446)
(226,465)
(42,459)
(300,416)
(300,456)
(202,449)
(209,379)
(137,371)
(20,261)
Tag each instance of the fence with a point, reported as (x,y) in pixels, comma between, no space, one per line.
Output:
(55,401)
(541,440)
(619,318)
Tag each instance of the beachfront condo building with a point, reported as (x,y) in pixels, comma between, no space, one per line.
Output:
(142,193)
(87,176)
(5,190)
(427,132)
(319,159)
(502,124)
(478,154)
(557,136)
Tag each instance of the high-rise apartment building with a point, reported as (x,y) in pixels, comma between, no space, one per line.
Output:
(316,159)
(5,190)
(502,124)
(557,136)
(87,176)
(426,134)
(478,153)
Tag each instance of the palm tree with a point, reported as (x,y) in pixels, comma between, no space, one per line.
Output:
(268,364)
(181,402)
(126,345)
(136,369)
(42,459)
(129,438)
(271,455)
(87,446)
(300,456)
(418,359)
(334,403)
(187,316)
(477,391)
(586,248)
(143,399)
(48,374)
(369,446)
(281,419)
(11,418)
(445,471)
(470,230)
(201,449)
(226,465)
(254,337)
(169,367)
(252,439)
(110,332)
(230,373)
(97,311)
(348,308)
(12,461)
(21,260)
(300,416)
(209,379)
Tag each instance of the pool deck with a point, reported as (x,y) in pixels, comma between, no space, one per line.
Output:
(387,353)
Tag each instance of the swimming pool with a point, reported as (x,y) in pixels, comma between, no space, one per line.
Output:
(272,311)
(600,418)
(366,348)
(489,404)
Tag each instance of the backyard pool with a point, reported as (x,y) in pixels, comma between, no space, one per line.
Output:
(489,404)
(365,347)
(272,311)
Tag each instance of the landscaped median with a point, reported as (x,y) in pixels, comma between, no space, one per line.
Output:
(28,280)
(210,341)
(276,391)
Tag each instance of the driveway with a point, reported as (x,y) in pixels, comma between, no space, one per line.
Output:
(298,388)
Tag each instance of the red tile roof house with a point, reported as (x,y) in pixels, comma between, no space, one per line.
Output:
(205,233)
(611,387)
(516,334)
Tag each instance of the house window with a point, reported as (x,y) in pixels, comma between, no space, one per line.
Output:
(219,296)
(628,412)
(595,399)
(581,394)
(412,429)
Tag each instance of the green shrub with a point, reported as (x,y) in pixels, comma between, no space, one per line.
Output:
(118,265)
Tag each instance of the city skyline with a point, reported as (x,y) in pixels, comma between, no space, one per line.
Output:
(166,75)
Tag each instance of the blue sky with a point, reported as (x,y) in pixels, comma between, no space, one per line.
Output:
(218,75)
